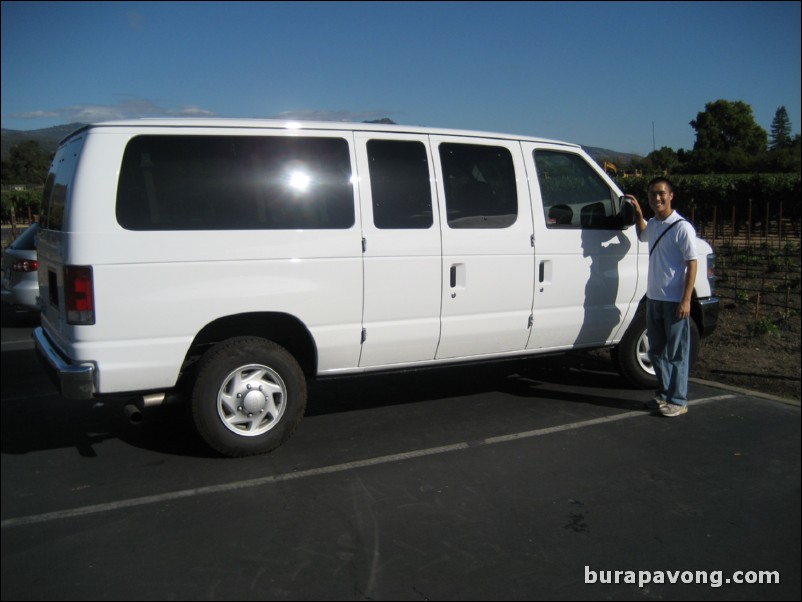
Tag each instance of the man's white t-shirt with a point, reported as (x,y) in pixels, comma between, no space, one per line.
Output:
(668,261)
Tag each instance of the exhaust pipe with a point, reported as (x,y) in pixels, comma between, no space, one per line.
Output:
(133,414)
(154,399)
(134,411)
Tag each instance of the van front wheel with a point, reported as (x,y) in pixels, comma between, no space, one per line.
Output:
(248,397)
(631,356)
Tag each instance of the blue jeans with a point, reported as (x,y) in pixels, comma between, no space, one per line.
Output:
(669,350)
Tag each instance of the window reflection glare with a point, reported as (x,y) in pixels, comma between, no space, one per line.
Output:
(299,181)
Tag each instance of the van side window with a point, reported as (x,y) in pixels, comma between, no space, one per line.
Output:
(53,213)
(58,182)
(235,183)
(400,184)
(479,184)
(574,195)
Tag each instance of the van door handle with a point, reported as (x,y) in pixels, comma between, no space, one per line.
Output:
(457,278)
(542,272)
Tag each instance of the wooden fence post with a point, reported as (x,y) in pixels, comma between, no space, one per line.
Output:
(749,224)
(757,307)
(732,228)
(715,225)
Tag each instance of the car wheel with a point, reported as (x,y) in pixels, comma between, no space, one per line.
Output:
(248,397)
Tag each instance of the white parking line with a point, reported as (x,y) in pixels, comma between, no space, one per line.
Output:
(431,451)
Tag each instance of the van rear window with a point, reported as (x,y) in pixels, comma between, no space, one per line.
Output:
(235,182)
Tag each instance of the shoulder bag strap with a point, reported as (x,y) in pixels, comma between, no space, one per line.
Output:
(659,238)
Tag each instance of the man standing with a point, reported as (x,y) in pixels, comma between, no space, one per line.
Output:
(672,273)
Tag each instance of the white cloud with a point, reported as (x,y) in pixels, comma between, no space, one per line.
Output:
(133,108)
(127,109)
(192,111)
(36,115)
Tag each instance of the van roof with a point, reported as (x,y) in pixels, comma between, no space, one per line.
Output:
(289,124)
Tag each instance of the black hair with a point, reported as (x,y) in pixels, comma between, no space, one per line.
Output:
(659,180)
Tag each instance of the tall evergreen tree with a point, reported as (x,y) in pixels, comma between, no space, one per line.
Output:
(780,130)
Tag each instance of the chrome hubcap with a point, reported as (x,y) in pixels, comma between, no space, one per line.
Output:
(643,354)
(252,400)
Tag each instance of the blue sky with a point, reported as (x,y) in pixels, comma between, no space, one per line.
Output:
(600,74)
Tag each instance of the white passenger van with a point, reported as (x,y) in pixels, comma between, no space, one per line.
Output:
(233,259)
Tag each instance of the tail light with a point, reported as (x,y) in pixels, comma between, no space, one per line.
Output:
(79,295)
(711,272)
(25,265)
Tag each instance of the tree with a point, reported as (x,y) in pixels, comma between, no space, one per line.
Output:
(660,161)
(780,130)
(787,158)
(27,164)
(728,140)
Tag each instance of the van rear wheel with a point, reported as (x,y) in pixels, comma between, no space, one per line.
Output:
(248,397)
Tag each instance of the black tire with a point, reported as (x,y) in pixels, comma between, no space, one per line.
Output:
(248,396)
(631,354)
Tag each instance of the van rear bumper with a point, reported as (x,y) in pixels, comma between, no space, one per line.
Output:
(74,381)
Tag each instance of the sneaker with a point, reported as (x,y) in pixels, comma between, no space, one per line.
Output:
(655,403)
(670,410)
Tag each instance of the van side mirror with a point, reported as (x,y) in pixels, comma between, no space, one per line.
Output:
(627,215)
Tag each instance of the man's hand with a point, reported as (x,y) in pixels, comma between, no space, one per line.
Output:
(641,223)
(684,310)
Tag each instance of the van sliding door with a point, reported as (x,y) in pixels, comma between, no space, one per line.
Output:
(488,259)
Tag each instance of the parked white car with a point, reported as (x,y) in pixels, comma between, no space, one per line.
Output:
(235,259)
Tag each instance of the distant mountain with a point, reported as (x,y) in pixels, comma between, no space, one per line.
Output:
(605,154)
(48,138)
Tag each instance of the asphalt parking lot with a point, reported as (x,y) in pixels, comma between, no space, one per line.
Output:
(525,480)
